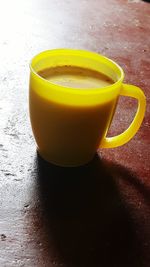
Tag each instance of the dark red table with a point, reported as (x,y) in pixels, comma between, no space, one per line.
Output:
(96,215)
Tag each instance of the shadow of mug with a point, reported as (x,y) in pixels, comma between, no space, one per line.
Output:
(85,217)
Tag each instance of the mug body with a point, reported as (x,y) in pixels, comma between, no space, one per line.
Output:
(69,124)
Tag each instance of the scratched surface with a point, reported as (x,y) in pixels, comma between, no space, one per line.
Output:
(96,215)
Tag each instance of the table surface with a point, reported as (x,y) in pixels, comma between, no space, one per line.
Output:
(96,215)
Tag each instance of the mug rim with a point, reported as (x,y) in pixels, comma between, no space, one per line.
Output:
(82,53)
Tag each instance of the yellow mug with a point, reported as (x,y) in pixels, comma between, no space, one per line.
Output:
(68,124)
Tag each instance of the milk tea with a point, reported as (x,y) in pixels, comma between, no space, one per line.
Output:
(64,131)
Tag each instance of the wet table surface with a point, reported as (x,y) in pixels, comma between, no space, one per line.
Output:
(96,215)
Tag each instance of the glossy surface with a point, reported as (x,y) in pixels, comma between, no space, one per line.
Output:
(70,124)
(91,216)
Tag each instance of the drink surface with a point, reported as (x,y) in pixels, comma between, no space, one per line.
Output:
(75,77)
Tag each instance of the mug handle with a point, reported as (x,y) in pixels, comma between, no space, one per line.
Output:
(121,139)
